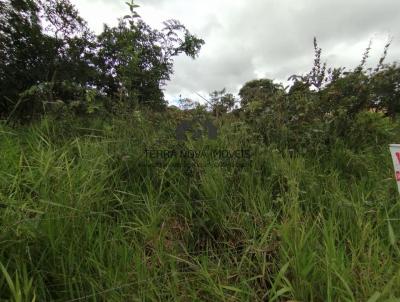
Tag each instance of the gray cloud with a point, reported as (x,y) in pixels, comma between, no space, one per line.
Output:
(265,38)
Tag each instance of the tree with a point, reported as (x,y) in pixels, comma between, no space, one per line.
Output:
(221,102)
(31,53)
(386,90)
(46,47)
(261,91)
(136,60)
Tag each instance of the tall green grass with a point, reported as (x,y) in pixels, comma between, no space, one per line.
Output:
(85,217)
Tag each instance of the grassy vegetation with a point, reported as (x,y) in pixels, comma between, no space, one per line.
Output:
(86,214)
(84,217)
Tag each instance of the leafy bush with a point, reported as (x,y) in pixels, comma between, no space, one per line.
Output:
(370,129)
(59,100)
(129,63)
(325,105)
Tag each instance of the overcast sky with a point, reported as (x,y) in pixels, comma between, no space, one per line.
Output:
(248,39)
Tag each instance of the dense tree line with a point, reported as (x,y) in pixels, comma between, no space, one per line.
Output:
(48,55)
(326,104)
(325,100)
(47,52)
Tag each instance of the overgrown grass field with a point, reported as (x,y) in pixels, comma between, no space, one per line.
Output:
(84,216)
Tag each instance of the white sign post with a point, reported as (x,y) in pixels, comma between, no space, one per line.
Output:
(395,151)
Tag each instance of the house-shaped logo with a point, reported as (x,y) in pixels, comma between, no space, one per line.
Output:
(197,128)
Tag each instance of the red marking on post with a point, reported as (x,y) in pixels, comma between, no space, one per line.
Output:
(398,175)
(398,156)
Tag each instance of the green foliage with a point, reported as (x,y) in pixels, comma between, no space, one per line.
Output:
(58,99)
(261,91)
(84,217)
(386,89)
(136,60)
(221,102)
(129,63)
(371,129)
(325,105)
(21,289)
(30,54)
(85,214)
